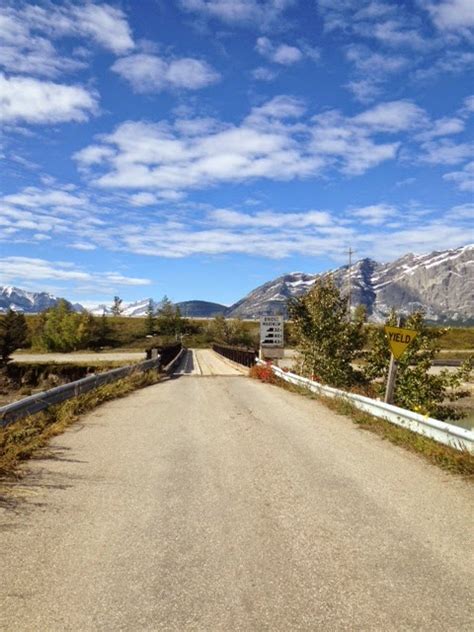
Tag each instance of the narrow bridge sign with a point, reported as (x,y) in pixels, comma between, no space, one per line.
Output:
(271,331)
(399,339)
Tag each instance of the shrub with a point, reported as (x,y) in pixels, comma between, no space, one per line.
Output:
(327,339)
(416,388)
(263,373)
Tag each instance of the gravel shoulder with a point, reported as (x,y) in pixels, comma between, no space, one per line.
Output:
(219,503)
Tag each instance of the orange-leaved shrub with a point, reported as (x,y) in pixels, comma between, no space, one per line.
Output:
(263,373)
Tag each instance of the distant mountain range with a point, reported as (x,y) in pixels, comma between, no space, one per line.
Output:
(29,302)
(440,283)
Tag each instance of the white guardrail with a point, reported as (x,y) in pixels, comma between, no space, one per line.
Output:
(454,436)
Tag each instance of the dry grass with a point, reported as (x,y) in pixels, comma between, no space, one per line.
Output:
(454,461)
(20,440)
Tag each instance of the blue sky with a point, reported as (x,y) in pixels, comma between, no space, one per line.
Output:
(198,148)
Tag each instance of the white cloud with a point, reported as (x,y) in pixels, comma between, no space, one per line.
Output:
(349,144)
(78,245)
(372,69)
(452,62)
(442,127)
(364,90)
(276,141)
(279,54)
(468,106)
(143,199)
(26,33)
(374,214)
(262,73)
(386,22)
(158,156)
(107,25)
(27,269)
(150,73)
(23,52)
(455,15)
(463,179)
(394,116)
(270,219)
(34,101)
(33,197)
(104,24)
(256,13)
(446,152)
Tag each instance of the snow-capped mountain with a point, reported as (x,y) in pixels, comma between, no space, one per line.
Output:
(198,309)
(28,302)
(137,308)
(441,283)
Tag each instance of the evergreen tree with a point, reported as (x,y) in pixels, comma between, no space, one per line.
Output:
(13,334)
(150,318)
(169,321)
(117,308)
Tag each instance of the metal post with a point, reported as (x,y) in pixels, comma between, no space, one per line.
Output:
(392,374)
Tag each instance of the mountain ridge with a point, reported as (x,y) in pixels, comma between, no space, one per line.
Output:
(439,282)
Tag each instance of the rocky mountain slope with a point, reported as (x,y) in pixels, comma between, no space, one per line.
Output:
(441,283)
(202,309)
(28,302)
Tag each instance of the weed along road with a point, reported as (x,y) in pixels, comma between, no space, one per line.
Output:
(217,503)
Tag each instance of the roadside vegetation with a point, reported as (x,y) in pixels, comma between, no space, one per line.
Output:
(22,439)
(330,344)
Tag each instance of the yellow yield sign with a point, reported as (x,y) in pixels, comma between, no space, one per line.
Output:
(399,339)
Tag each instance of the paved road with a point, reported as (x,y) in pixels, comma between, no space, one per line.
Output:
(223,504)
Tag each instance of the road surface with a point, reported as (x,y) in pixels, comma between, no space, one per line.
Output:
(207,362)
(222,504)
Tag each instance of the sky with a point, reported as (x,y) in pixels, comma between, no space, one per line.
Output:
(199,148)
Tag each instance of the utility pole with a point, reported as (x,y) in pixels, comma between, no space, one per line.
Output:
(349,299)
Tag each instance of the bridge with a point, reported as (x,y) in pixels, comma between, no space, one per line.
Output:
(212,502)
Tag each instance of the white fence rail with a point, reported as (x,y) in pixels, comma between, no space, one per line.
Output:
(454,436)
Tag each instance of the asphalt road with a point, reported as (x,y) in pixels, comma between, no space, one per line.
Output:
(221,504)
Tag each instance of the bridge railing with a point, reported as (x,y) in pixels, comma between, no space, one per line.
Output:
(448,434)
(247,357)
(40,401)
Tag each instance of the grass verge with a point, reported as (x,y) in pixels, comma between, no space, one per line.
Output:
(21,439)
(454,461)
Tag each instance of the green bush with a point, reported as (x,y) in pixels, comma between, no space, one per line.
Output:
(416,388)
(325,337)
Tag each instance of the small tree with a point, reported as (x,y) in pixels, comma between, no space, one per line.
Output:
(416,388)
(327,341)
(150,318)
(13,334)
(168,320)
(117,308)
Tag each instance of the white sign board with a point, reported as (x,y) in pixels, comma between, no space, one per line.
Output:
(271,331)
